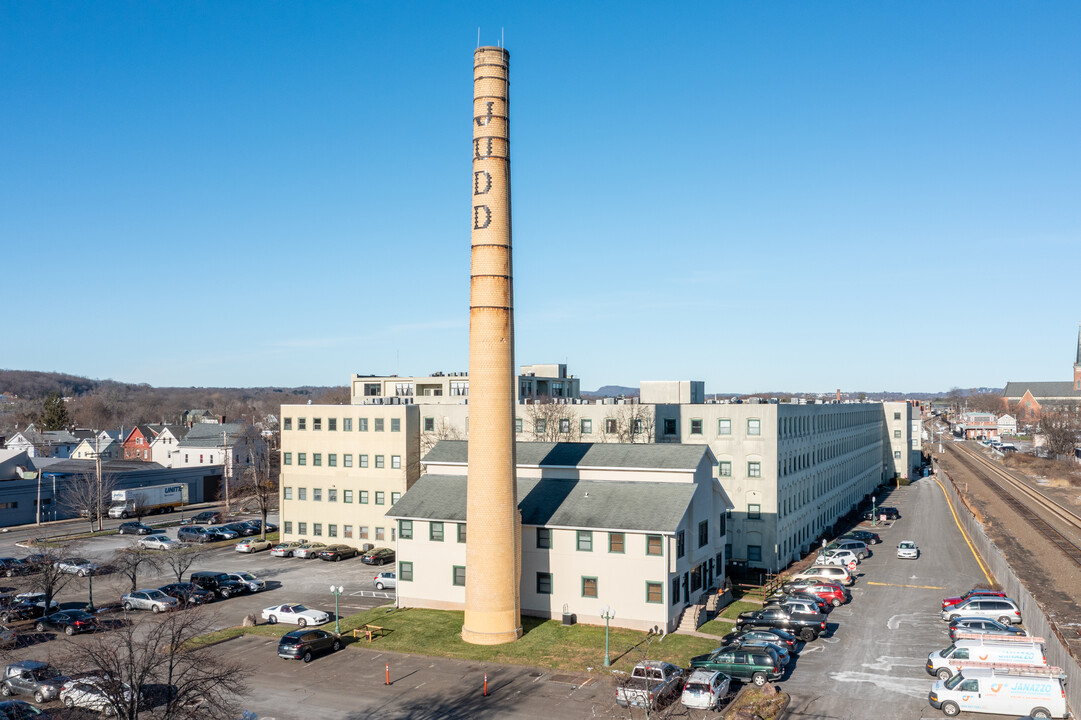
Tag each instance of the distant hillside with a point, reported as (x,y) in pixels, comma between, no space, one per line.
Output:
(611,391)
(109,404)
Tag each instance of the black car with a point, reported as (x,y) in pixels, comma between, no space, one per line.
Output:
(218,583)
(68,621)
(207,517)
(303,644)
(334,553)
(378,556)
(10,567)
(242,529)
(134,528)
(258,525)
(890,513)
(191,534)
(25,610)
(864,535)
(187,593)
(21,710)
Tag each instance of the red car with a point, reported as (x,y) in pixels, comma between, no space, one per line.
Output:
(835,595)
(974,592)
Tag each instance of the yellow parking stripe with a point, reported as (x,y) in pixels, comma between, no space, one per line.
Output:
(918,587)
(975,554)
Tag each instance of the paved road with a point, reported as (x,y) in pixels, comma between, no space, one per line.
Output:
(870,665)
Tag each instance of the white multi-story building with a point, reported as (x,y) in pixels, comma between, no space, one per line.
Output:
(790,470)
(639,528)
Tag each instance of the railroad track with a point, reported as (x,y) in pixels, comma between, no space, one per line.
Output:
(999,480)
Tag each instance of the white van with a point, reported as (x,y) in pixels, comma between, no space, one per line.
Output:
(1036,692)
(832,573)
(971,650)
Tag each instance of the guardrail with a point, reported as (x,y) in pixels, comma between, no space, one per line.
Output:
(1036,622)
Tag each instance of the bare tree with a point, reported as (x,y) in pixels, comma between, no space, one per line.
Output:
(553,422)
(442,429)
(255,484)
(152,669)
(987,402)
(636,423)
(48,579)
(179,560)
(133,560)
(1059,430)
(89,497)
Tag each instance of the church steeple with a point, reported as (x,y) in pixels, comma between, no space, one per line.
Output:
(1077,363)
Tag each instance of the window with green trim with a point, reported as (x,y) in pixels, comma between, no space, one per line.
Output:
(287,458)
(589,587)
(615,542)
(544,583)
(654,592)
(458,577)
(405,529)
(585,540)
(461,532)
(405,571)
(435,531)
(654,545)
(544,538)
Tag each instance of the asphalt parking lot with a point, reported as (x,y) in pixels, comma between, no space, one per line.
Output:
(869,664)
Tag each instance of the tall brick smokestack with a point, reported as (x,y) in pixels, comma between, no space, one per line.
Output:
(493,543)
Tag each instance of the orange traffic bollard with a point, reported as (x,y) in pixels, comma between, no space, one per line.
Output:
(388,673)
(485,684)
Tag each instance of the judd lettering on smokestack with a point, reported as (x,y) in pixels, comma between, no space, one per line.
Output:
(493,550)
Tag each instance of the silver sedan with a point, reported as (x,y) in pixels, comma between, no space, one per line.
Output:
(153,600)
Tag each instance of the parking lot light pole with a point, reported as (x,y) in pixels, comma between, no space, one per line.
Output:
(90,577)
(337,622)
(874,515)
(607,614)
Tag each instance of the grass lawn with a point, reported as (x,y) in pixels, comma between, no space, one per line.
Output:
(737,607)
(717,627)
(546,643)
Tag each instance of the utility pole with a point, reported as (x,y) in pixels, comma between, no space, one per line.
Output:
(225,466)
(97,472)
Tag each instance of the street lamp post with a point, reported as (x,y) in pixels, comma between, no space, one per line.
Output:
(90,577)
(874,515)
(608,614)
(337,622)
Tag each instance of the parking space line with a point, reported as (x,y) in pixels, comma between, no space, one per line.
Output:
(975,554)
(918,587)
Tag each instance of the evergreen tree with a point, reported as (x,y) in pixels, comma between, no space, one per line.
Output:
(54,413)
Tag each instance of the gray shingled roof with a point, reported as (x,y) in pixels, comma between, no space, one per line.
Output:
(641,506)
(1055,389)
(208,435)
(663,456)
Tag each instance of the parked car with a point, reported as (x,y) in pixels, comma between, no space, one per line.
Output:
(334,553)
(285,549)
(69,622)
(248,580)
(858,547)
(76,566)
(242,529)
(705,689)
(1002,609)
(974,592)
(871,538)
(890,513)
(650,685)
(8,638)
(10,567)
(187,594)
(26,610)
(800,602)
(763,634)
(308,550)
(20,710)
(378,556)
(253,544)
(32,677)
(258,525)
(295,614)
(154,600)
(907,550)
(837,557)
(134,528)
(192,534)
(95,693)
(782,652)
(303,644)
(832,593)
(157,542)
(829,573)
(805,626)
(977,625)
(221,532)
(385,580)
(757,664)
(207,517)
(218,583)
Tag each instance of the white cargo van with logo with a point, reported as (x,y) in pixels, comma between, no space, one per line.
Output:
(1036,692)
(972,650)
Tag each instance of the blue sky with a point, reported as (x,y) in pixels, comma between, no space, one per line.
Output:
(764,196)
